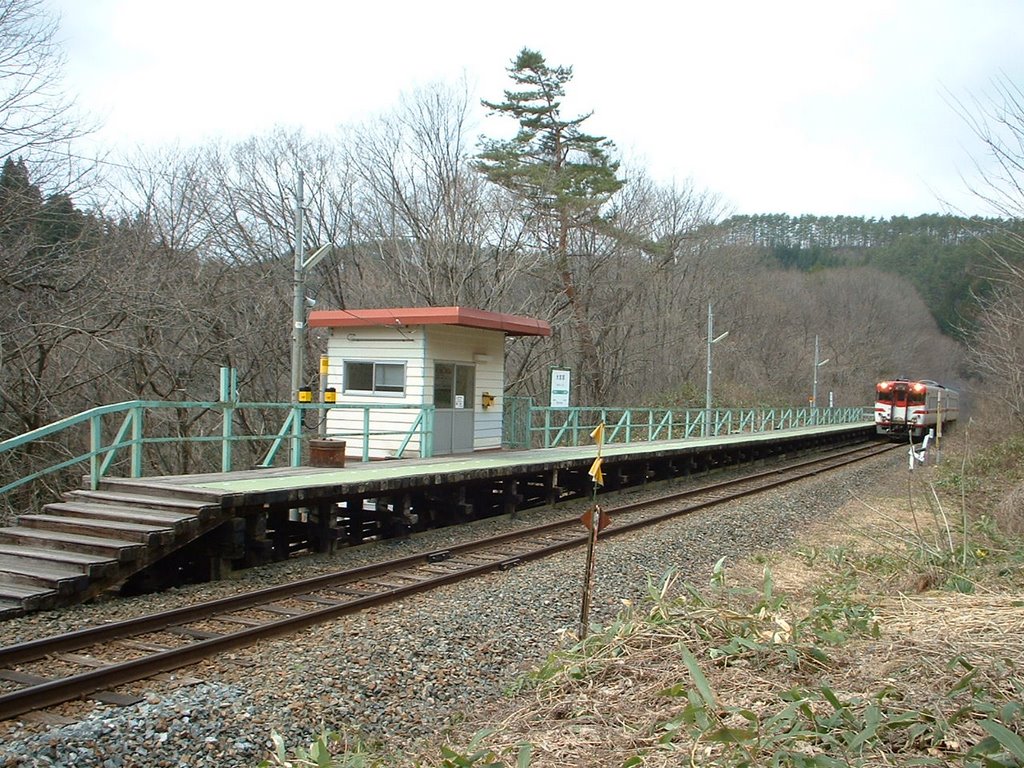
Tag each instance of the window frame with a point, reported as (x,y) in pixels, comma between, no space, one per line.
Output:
(374,383)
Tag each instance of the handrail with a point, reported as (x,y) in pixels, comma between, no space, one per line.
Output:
(546,427)
(550,427)
(130,435)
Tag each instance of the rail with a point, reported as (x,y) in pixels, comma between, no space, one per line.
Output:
(546,427)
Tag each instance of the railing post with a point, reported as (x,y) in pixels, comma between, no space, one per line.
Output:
(530,411)
(95,445)
(137,431)
(366,433)
(295,459)
(228,396)
(427,440)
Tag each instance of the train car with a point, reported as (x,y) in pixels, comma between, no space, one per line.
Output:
(904,407)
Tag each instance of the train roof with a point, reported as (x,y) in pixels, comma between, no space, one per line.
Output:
(926,382)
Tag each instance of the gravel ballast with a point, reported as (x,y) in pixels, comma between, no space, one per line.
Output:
(399,675)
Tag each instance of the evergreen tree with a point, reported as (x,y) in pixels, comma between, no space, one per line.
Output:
(20,201)
(562,171)
(562,174)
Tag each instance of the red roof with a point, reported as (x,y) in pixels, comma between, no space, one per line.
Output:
(513,325)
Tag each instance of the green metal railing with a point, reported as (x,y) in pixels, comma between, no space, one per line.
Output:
(530,426)
(141,436)
(95,437)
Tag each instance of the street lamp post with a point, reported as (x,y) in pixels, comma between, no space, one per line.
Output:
(814,390)
(707,390)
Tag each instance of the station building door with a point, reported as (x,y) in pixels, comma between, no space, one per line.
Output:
(454,385)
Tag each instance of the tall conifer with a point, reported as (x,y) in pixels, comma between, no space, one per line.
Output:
(563,174)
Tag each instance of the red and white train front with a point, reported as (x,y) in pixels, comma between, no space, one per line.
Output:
(913,407)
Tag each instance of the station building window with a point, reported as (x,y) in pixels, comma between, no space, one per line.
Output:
(374,377)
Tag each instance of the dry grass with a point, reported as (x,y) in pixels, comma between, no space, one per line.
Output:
(854,612)
(1009,513)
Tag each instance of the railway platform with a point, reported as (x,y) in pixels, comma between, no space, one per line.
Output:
(144,533)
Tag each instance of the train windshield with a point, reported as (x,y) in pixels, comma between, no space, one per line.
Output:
(892,392)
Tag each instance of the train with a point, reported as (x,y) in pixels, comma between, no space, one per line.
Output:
(905,408)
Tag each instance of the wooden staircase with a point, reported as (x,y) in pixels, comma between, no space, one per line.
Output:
(93,540)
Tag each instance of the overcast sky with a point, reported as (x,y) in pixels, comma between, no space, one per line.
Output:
(778,107)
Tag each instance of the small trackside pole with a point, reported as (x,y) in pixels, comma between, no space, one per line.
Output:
(595,520)
(592,519)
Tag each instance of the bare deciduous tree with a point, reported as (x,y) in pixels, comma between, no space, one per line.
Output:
(996,351)
(439,234)
(37,118)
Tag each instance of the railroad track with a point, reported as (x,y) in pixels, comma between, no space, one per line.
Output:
(90,662)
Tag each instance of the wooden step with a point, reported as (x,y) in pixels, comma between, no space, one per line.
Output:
(146,487)
(30,598)
(116,549)
(96,566)
(152,535)
(140,500)
(65,579)
(182,524)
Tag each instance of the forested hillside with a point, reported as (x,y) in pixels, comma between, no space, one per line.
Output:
(948,259)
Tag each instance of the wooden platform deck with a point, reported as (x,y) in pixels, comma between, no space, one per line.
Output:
(254,485)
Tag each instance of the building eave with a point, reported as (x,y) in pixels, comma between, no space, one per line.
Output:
(465,317)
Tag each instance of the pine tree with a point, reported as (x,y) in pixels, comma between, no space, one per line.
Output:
(20,201)
(550,161)
(563,174)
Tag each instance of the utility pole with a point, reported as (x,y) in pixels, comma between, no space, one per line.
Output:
(707,389)
(298,297)
(814,389)
(301,266)
(298,326)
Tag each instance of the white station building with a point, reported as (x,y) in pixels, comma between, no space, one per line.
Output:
(451,358)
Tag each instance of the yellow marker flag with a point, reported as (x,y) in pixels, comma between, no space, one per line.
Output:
(595,471)
(598,434)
